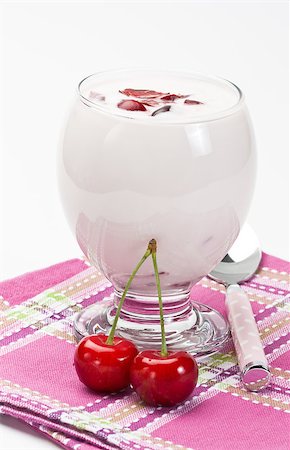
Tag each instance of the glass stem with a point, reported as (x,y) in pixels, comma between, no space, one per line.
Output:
(110,339)
(163,339)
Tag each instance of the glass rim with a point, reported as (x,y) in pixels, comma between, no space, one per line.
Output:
(198,119)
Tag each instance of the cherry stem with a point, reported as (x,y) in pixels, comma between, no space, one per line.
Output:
(164,351)
(110,339)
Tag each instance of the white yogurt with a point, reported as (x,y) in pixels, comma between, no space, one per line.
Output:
(184,177)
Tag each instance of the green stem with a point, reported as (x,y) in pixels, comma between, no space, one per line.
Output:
(163,339)
(110,339)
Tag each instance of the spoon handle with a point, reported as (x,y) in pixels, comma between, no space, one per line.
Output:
(253,364)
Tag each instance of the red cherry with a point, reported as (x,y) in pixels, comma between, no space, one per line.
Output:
(104,367)
(131,105)
(163,380)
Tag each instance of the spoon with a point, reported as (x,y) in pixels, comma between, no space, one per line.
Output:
(237,266)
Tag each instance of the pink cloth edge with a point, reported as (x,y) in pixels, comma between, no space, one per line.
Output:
(82,438)
(273,262)
(37,281)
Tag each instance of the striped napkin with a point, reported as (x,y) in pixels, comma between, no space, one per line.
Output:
(39,386)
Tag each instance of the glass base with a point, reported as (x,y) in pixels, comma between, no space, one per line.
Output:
(201,331)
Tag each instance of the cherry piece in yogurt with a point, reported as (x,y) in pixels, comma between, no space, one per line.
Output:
(142,93)
(192,102)
(149,102)
(172,97)
(161,110)
(131,105)
(97,96)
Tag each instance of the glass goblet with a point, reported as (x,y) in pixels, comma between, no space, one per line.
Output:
(186,181)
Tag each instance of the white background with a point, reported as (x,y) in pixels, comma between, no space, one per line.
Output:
(49,47)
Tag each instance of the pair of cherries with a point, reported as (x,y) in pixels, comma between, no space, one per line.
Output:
(158,380)
(110,363)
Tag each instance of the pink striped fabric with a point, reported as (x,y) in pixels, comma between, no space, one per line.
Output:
(38,384)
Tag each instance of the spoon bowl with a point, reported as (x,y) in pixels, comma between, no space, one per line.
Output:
(242,260)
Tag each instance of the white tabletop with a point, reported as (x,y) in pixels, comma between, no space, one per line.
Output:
(15,434)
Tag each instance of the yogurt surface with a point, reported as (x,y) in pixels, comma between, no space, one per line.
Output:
(161,96)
